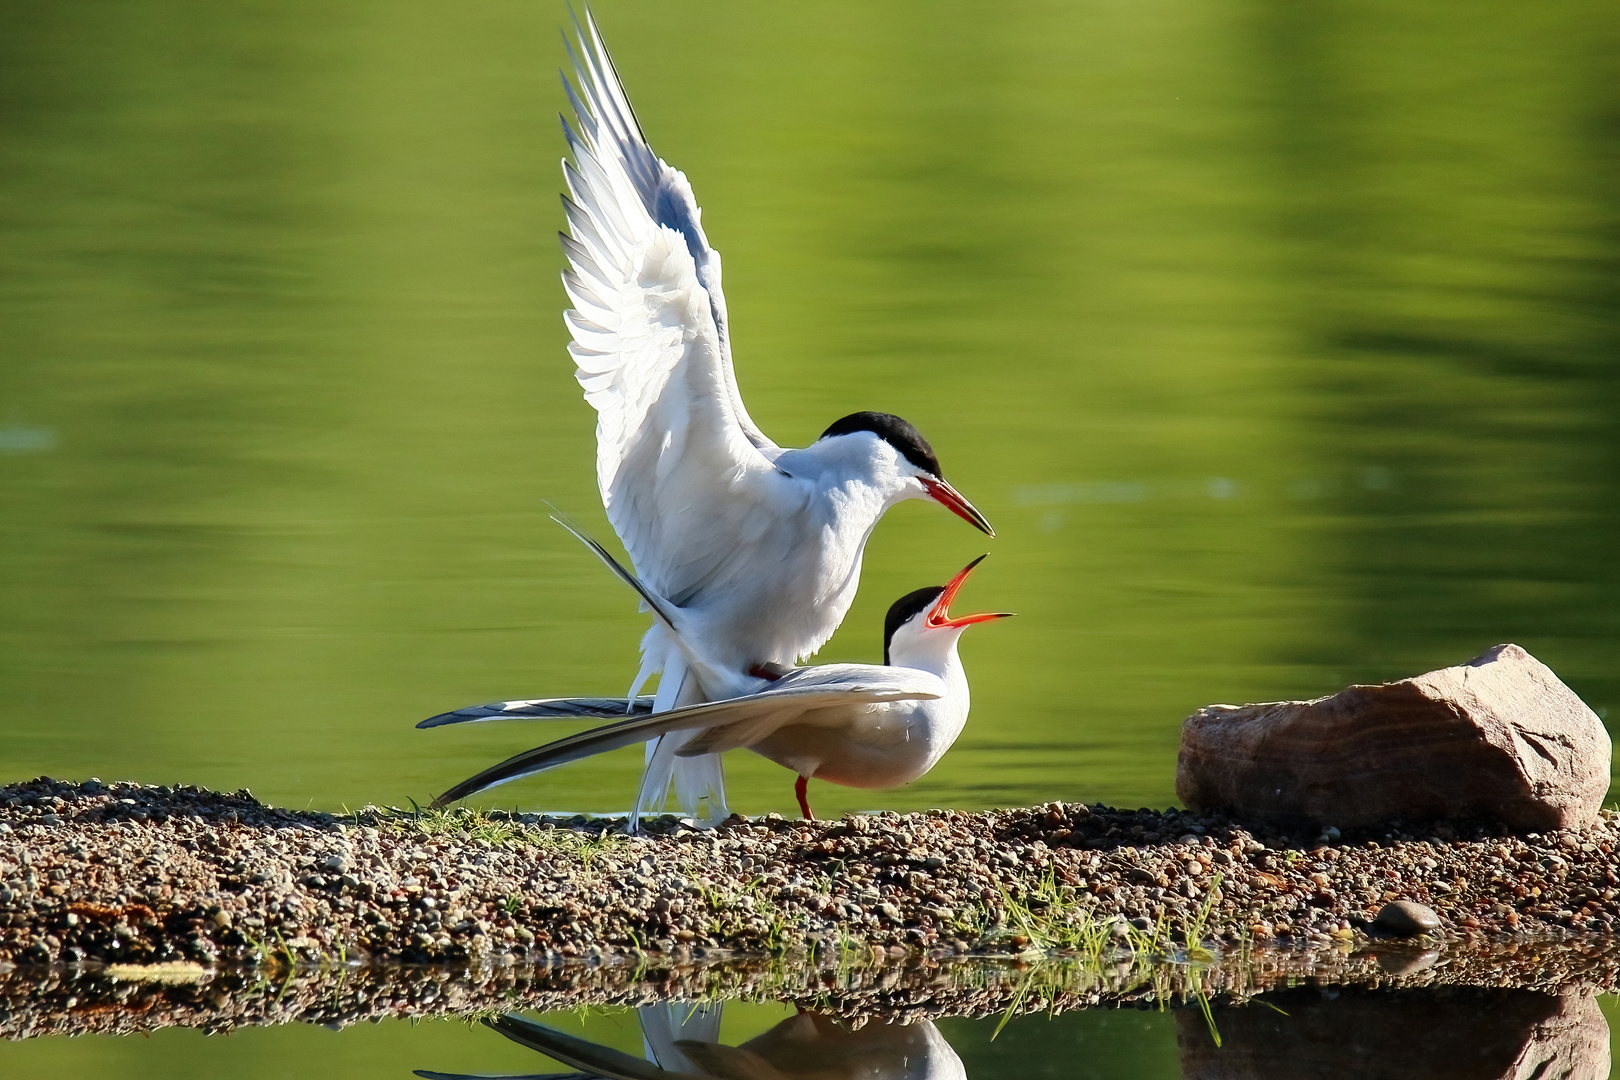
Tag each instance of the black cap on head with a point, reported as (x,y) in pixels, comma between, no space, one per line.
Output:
(906,440)
(904,609)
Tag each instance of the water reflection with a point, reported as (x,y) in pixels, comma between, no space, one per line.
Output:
(1434,1033)
(682,1041)
(1448,1033)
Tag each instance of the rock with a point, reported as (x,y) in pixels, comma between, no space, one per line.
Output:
(1499,737)
(1406,918)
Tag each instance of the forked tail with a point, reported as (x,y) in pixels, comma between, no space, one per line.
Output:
(655,603)
(700,783)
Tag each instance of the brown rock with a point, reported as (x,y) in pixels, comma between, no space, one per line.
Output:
(1498,737)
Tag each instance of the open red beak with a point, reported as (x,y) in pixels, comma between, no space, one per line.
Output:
(940,614)
(952,500)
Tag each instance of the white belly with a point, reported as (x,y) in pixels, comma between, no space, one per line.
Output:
(880,746)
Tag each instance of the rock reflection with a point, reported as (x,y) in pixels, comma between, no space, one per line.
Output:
(1445,1033)
(683,1042)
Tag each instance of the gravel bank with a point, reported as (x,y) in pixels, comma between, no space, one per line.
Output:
(127,874)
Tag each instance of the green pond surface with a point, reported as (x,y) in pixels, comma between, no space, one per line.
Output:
(1281,343)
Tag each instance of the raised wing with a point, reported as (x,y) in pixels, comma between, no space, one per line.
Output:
(679,462)
(827,686)
(578,708)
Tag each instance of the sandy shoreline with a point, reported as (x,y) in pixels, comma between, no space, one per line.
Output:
(126,874)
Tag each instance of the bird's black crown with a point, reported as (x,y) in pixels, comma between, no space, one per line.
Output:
(904,609)
(906,440)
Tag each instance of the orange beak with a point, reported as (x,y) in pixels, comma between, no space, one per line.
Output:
(940,614)
(952,500)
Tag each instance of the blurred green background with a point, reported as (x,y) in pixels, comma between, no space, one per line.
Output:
(1279,343)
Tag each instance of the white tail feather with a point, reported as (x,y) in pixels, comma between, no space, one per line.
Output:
(700,786)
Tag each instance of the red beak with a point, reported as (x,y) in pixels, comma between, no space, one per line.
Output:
(940,614)
(952,500)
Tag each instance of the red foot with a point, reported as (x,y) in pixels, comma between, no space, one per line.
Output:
(802,790)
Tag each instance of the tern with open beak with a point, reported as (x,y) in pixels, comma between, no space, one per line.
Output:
(859,725)
(758,546)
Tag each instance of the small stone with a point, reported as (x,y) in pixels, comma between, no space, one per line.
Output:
(1406,918)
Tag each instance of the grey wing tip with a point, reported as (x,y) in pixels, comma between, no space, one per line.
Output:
(462,716)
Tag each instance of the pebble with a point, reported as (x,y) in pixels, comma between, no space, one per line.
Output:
(182,874)
(1406,919)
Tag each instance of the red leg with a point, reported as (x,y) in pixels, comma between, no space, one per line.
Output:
(802,790)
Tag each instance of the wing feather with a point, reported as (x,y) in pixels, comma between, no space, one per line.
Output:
(679,461)
(546,709)
(826,686)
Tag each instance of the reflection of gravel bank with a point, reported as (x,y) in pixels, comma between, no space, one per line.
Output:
(126,874)
(76,1001)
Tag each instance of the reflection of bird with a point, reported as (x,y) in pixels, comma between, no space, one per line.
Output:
(860,725)
(759,547)
(667,1027)
(806,1046)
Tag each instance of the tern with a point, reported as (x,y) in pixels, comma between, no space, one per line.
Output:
(858,725)
(758,546)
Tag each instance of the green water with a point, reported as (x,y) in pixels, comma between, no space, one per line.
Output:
(1278,341)
(1280,347)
